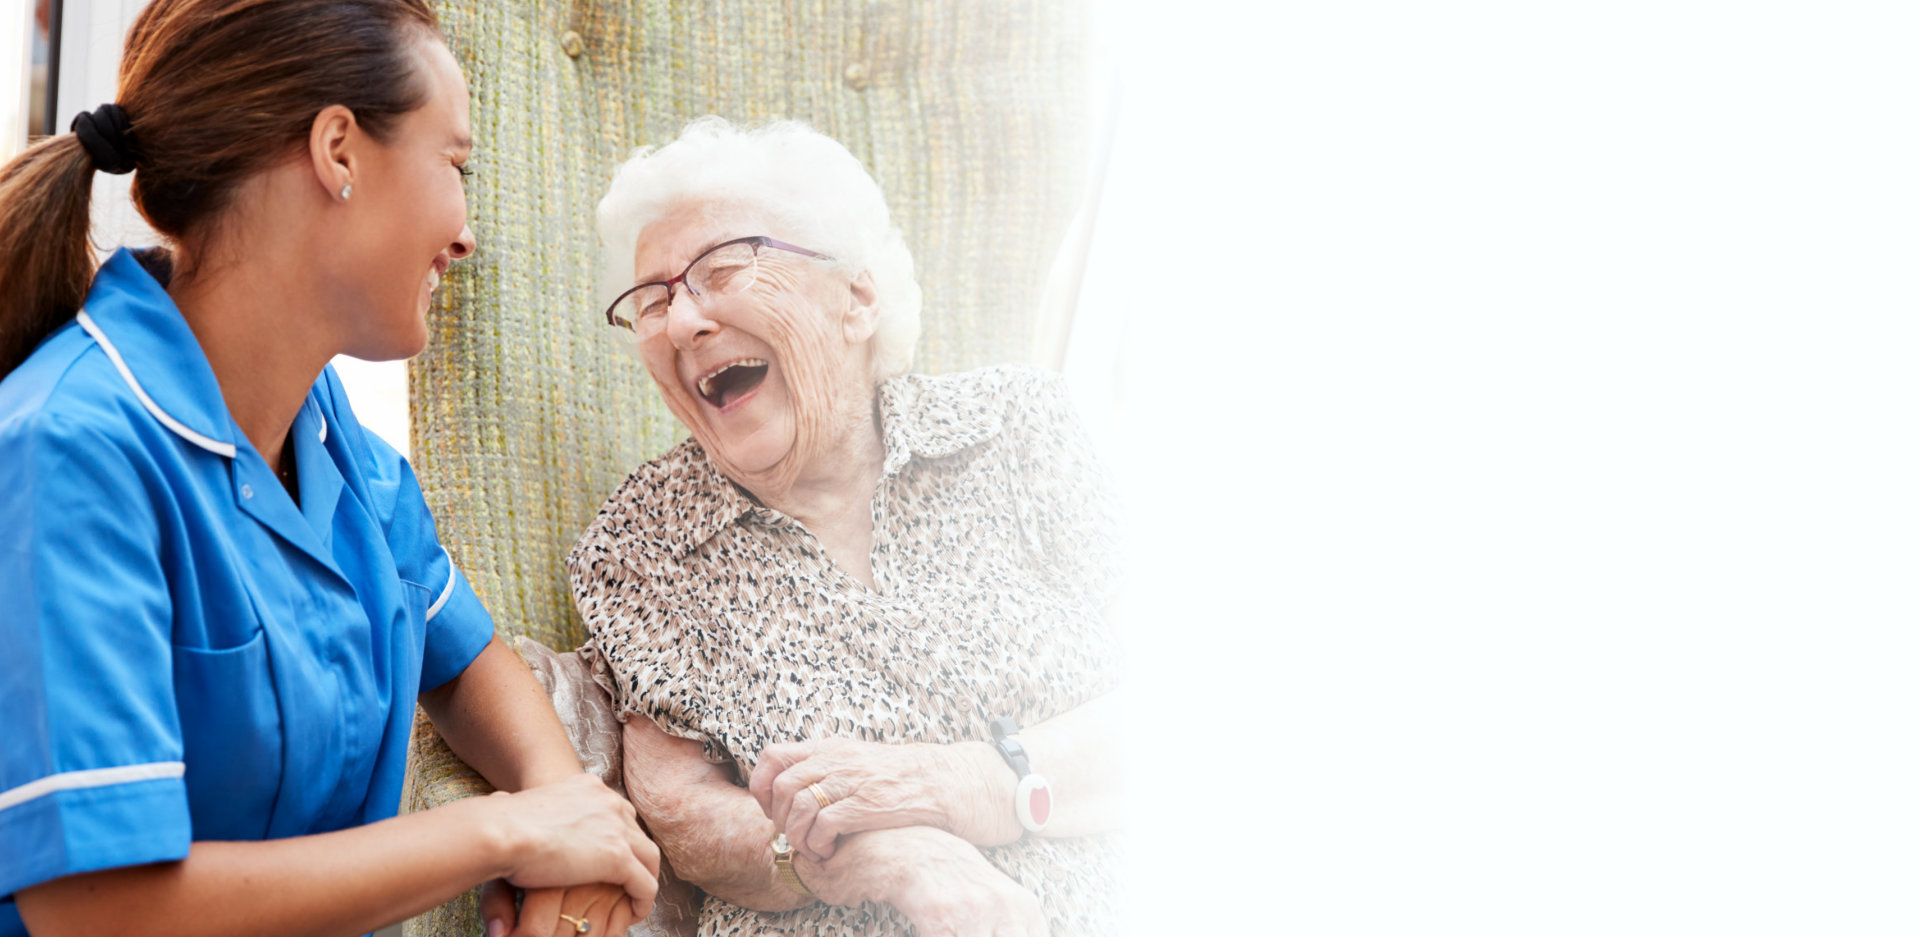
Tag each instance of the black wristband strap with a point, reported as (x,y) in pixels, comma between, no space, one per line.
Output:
(1032,797)
(1009,748)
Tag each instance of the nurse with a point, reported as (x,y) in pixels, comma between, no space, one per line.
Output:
(220,597)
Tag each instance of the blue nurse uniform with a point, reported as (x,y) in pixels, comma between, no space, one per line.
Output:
(185,652)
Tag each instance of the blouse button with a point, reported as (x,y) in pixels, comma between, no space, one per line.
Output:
(246,491)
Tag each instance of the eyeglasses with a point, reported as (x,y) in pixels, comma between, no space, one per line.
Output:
(726,268)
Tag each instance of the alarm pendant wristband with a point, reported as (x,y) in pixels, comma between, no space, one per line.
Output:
(1032,799)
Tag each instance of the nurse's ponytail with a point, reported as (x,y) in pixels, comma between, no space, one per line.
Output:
(210,93)
(45,262)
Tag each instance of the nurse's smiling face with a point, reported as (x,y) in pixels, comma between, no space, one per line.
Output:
(408,215)
(769,378)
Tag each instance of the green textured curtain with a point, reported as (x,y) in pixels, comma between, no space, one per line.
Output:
(972,116)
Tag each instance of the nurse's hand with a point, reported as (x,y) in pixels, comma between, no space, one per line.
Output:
(601,907)
(577,832)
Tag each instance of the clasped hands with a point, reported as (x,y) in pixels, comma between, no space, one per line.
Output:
(936,804)
(963,789)
(575,830)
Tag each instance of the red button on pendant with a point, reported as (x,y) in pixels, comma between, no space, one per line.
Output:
(1033,802)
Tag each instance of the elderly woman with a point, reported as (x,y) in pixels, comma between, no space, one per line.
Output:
(861,611)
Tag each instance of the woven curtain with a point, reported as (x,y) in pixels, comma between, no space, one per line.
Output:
(970,113)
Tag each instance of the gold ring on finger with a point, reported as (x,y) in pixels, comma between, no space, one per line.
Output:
(580,925)
(820,795)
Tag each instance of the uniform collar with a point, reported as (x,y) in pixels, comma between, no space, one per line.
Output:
(131,317)
(924,417)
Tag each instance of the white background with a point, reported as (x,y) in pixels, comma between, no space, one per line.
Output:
(1518,412)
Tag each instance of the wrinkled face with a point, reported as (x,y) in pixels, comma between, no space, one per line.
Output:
(766,377)
(410,213)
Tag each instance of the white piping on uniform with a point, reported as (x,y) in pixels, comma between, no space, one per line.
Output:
(323,427)
(113,354)
(445,594)
(92,777)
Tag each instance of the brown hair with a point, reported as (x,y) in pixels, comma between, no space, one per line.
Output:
(214,91)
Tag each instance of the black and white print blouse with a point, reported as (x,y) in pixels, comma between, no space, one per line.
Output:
(994,554)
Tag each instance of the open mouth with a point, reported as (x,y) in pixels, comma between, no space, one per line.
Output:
(729,384)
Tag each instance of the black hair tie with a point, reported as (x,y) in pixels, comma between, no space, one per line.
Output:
(107,136)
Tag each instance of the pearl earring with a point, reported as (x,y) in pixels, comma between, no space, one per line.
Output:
(346,191)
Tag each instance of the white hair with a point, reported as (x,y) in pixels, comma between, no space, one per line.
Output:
(802,179)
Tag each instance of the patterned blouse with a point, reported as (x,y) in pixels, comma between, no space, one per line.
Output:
(994,553)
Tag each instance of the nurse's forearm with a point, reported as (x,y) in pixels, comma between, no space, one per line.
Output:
(496,717)
(341,884)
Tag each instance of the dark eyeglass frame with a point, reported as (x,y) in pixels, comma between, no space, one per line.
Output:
(758,241)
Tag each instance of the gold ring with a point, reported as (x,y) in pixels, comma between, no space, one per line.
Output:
(820,795)
(580,924)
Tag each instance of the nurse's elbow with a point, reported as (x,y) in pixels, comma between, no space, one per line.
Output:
(84,904)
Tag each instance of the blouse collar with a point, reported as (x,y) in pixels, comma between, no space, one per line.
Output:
(920,417)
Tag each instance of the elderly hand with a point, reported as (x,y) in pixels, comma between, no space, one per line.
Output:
(964,789)
(948,889)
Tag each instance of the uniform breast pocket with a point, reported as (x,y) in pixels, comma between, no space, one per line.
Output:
(230,724)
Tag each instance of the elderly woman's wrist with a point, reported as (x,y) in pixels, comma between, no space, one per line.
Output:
(870,866)
(979,806)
